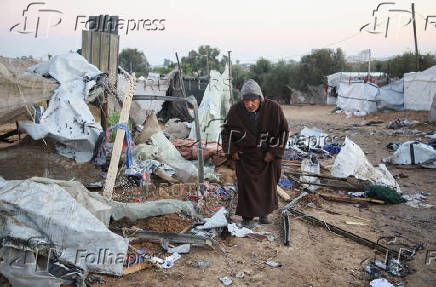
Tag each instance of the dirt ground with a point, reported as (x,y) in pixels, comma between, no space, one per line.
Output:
(316,256)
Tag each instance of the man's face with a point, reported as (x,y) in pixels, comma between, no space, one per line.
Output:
(252,105)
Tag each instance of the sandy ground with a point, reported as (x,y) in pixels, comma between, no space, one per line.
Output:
(316,257)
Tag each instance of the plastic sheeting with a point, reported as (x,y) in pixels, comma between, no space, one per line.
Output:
(432,113)
(352,161)
(422,154)
(391,97)
(68,119)
(214,106)
(357,97)
(419,89)
(311,166)
(135,211)
(40,213)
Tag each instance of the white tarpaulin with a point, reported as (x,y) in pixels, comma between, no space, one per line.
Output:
(214,106)
(421,153)
(68,119)
(419,89)
(39,212)
(357,97)
(352,161)
(391,97)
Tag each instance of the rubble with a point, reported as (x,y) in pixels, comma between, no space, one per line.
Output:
(68,119)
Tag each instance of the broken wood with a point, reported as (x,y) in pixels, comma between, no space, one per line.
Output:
(137,267)
(345,198)
(283,194)
(173,238)
(291,162)
(118,144)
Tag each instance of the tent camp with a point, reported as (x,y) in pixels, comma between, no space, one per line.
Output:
(336,79)
(419,89)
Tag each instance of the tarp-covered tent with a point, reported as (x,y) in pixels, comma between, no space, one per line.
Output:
(419,89)
(19,89)
(357,97)
(391,96)
(334,81)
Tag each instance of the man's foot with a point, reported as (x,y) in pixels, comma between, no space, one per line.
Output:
(247,222)
(265,219)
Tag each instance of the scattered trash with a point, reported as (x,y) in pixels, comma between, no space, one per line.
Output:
(188,148)
(175,129)
(400,123)
(201,264)
(237,231)
(310,165)
(285,183)
(227,281)
(240,275)
(168,262)
(181,249)
(271,238)
(273,264)
(352,161)
(381,282)
(416,200)
(332,148)
(393,146)
(219,219)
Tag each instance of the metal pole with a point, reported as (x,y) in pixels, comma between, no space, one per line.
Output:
(230,78)
(182,85)
(414,35)
(369,64)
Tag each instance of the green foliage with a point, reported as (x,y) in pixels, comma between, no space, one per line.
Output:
(133,60)
(197,61)
(113,119)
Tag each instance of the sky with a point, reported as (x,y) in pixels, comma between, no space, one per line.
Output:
(274,29)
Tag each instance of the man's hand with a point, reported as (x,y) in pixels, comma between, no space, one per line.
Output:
(268,157)
(235,156)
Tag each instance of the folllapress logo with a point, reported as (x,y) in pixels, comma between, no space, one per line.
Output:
(37,19)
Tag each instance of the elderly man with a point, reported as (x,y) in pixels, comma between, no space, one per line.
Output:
(254,136)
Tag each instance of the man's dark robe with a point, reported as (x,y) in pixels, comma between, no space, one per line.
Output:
(257,179)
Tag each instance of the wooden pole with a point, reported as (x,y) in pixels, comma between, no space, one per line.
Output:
(118,144)
(414,35)
(230,78)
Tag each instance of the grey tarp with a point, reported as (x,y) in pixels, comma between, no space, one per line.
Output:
(19,89)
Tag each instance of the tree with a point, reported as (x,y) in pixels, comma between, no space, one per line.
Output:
(206,57)
(133,60)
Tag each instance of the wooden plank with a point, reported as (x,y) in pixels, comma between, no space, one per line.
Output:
(95,48)
(337,197)
(137,267)
(86,44)
(104,53)
(113,58)
(118,144)
(283,194)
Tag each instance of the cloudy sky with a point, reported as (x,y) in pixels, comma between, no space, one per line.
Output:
(274,29)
